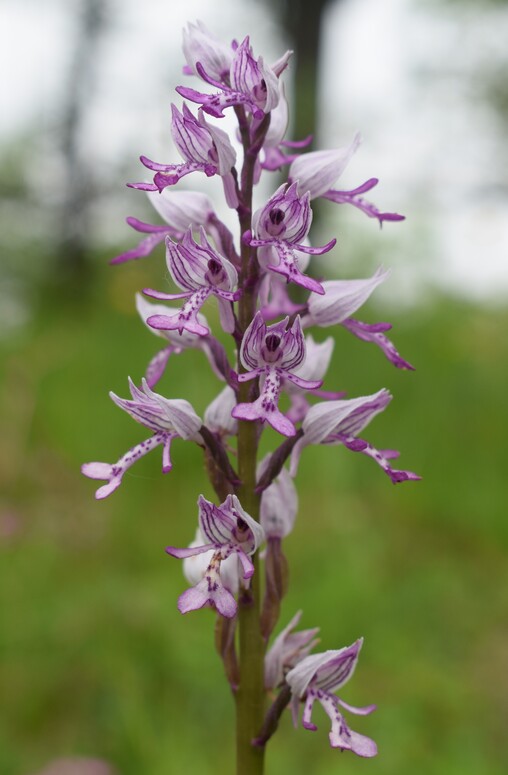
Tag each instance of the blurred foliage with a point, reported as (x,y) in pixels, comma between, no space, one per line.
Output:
(95,658)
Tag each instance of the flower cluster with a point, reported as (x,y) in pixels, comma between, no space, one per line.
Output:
(252,277)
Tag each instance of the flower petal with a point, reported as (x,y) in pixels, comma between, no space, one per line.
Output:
(341,299)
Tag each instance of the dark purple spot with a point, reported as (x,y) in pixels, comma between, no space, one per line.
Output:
(214,266)
(272,341)
(277,216)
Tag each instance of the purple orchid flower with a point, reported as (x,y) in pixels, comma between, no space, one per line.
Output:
(317,171)
(251,83)
(339,422)
(272,352)
(228,530)
(200,45)
(204,147)
(195,567)
(200,272)
(342,298)
(181,210)
(167,418)
(287,650)
(316,678)
(279,229)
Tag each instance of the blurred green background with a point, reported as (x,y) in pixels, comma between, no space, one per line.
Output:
(95,659)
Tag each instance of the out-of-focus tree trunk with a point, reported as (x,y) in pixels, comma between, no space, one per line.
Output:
(302,19)
(78,185)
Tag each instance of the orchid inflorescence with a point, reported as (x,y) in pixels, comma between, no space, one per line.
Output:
(251,280)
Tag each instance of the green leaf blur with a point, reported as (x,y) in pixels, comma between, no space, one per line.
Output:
(95,658)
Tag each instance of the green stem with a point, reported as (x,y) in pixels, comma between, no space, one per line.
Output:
(251,696)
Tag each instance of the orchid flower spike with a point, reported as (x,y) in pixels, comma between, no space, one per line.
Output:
(271,355)
(273,352)
(342,298)
(339,422)
(205,148)
(200,272)
(251,83)
(180,210)
(317,171)
(279,228)
(228,530)
(167,418)
(317,677)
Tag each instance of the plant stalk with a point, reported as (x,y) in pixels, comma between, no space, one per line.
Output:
(250,697)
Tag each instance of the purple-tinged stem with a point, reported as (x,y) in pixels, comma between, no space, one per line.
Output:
(250,697)
(276,577)
(276,462)
(219,455)
(273,715)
